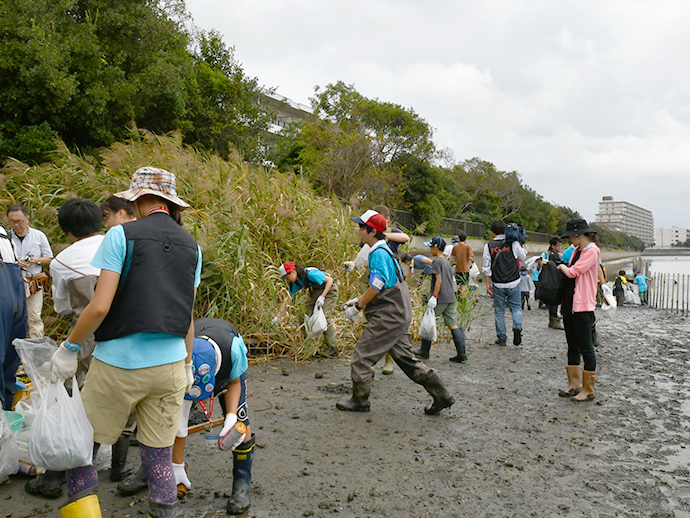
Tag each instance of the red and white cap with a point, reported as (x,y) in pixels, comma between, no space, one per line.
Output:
(372,219)
(286,268)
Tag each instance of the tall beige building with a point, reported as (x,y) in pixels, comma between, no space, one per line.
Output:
(623,216)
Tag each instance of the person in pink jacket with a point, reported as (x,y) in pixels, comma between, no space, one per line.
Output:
(579,300)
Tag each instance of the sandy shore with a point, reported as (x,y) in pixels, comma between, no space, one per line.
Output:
(509,447)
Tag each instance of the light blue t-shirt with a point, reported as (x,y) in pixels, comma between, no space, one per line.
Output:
(238,354)
(139,350)
(314,275)
(383,269)
(641,281)
(419,264)
(567,254)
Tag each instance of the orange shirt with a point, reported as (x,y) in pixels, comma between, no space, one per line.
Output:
(463,254)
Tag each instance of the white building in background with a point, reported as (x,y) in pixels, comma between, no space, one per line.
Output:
(287,111)
(666,237)
(623,216)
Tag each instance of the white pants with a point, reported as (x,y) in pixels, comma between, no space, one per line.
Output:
(34,305)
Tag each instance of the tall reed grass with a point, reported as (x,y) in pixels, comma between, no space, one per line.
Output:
(247,220)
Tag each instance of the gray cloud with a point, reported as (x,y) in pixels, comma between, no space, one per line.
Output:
(583,99)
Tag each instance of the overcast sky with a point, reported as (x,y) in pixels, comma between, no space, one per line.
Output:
(582,98)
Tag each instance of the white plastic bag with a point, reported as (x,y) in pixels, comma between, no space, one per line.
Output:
(61,435)
(35,354)
(609,304)
(362,259)
(315,324)
(631,297)
(474,271)
(427,330)
(9,459)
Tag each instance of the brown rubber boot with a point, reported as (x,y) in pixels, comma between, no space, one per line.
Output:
(574,376)
(587,392)
(556,323)
(360,398)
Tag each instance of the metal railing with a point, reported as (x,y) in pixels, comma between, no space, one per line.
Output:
(449,226)
(670,291)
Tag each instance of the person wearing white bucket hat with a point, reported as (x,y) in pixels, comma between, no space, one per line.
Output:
(141,316)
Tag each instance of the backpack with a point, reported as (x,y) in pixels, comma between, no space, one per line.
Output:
(551,284)
(516,232)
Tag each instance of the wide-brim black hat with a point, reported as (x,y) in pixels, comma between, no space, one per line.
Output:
(577,227)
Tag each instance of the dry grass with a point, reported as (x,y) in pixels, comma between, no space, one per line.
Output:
(246,219)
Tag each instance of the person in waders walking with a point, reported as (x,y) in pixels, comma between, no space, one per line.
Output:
(387,307)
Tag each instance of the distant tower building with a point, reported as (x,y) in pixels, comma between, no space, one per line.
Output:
(626,217)
(666,237)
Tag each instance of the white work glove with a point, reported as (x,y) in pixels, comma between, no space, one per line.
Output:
(319,302)
(181,475)
(349,266)
(228,425)
(350,302)
(63,364)
(189,374)
(275,321)
(351,313)
(433,301)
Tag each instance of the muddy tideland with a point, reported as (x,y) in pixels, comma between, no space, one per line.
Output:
(509,447)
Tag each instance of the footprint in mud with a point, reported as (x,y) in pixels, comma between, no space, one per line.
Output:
(338,388)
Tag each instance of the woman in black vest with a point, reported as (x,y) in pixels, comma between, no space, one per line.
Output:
(141,316)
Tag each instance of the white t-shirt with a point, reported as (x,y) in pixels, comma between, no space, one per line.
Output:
(448,250)
(77,256)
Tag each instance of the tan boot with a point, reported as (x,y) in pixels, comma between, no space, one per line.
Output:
(556,323)
(587,392)
(388,367)
(574,376)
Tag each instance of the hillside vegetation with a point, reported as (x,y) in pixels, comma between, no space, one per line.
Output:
(247,220)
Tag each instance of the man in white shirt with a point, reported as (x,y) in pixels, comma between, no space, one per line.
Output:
(13,319)
(33,253)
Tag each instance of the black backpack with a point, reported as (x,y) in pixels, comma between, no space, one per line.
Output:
(551,284)
(516,232)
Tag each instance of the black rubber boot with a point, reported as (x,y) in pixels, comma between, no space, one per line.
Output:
(134,483)
(459,341)
(329,351)
(242,476)
(47,485)
(360,398)
(435,387)
(158,510)
(120,468)
(423,351)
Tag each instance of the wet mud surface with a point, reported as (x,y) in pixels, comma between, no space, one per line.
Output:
(509,447)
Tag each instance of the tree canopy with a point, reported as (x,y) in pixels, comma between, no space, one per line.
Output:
(88,71)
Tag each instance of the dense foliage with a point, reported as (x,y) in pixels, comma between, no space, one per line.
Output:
(89,70)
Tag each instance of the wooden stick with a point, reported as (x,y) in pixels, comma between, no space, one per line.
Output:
(205,426)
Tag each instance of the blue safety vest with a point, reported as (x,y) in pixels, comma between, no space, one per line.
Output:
(204,369)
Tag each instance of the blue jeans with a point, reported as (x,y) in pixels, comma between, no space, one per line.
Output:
(501,295)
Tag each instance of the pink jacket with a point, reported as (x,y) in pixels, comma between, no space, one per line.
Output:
(585,272)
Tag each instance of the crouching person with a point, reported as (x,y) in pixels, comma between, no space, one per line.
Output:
(220,369)
(387,306)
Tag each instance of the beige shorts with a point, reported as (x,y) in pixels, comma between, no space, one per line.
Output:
(110,394)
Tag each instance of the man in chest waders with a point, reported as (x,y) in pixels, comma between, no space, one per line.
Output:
(387,306)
